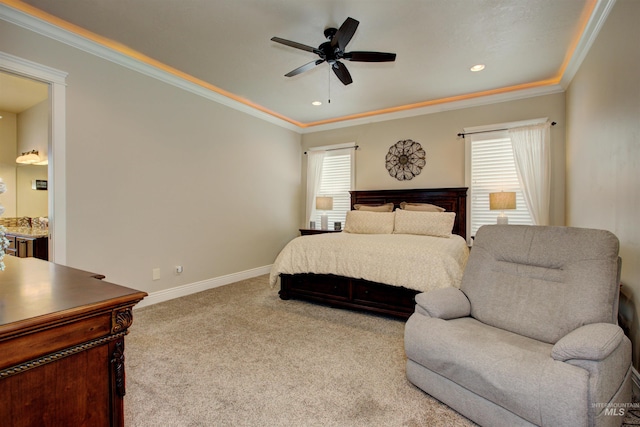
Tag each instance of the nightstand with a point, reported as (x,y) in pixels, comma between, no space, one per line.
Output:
(309,231)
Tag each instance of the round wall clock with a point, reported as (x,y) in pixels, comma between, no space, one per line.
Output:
(405,159)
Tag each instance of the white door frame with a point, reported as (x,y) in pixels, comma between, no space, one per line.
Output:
(56,80)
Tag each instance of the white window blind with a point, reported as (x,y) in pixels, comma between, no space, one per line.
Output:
(492,170)
(336,182)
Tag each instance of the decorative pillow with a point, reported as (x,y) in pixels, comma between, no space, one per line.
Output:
(425,207)
(387,207)
(367,222)
(439,224)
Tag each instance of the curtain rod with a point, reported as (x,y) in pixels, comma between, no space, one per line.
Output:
(490,130)
(355,147)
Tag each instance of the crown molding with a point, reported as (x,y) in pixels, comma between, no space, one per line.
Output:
(592,29)
(445,106)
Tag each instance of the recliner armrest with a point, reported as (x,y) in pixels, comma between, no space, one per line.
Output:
(444,303)
(589,342)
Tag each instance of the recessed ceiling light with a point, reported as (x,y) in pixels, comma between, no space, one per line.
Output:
(478,67)
(316,103)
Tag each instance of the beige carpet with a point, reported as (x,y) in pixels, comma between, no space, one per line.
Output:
(237,355)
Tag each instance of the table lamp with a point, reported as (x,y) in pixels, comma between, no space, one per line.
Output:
(324,204)
(500,202)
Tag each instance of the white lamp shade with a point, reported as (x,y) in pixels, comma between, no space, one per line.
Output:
(502,200)
(324,203)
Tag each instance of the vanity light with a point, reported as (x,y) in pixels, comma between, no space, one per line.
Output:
(316,103)
(28,157)
(478,67)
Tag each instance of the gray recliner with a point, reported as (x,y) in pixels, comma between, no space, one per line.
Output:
(531,336)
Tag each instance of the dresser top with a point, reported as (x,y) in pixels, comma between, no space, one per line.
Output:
(34,292)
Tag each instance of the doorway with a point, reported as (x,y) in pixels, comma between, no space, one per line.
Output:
(24,148)
(39,123)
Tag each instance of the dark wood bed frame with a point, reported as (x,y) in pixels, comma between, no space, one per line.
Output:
(359,294)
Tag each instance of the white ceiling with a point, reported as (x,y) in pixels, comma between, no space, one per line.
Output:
(524,44)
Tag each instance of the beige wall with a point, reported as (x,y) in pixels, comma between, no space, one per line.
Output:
(603,147)
(158,177)
(30,202)
(437,133)
(33,129)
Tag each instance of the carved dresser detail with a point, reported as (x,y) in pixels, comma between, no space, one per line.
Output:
(62,360)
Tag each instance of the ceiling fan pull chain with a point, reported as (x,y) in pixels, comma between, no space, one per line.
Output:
(329,87)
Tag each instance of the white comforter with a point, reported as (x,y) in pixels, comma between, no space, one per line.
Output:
(416,262)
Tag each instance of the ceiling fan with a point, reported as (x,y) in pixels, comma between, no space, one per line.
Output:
(332,51)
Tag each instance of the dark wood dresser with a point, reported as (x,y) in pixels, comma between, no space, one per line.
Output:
(61,345)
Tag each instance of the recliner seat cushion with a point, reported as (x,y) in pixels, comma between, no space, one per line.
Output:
(510,370)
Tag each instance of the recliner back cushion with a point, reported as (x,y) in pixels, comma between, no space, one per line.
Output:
(542,281)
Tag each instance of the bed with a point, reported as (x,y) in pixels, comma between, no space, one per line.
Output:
(352,289)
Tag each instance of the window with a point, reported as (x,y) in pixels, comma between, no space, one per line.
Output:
(336,181)
(492,169)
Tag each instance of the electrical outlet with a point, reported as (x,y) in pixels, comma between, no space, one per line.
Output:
(155,274)
(178,269)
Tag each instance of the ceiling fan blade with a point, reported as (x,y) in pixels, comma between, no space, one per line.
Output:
(370,56)
(341,71)
(294,44)
(344,34)
(304,68)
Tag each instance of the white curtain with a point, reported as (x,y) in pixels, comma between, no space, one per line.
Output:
(314,174)
(531,152)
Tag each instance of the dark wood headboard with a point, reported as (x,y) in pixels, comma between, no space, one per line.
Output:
(452,199)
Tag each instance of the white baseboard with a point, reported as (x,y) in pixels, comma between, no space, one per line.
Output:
(192,288)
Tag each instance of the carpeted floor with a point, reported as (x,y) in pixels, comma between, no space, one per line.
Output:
(237,355)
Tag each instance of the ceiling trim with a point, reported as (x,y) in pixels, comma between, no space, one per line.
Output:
(36,20)
(437,107)
(592,24)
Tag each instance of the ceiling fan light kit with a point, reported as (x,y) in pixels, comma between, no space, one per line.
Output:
(332,51)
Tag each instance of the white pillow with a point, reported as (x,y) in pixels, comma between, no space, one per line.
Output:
(439,224)
(368,222)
